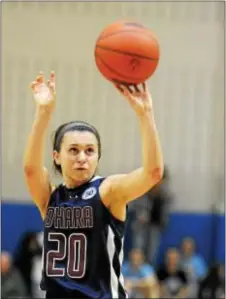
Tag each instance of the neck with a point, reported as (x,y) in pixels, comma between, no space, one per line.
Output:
(71,183)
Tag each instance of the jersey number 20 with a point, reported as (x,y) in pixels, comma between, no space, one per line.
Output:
(75,246)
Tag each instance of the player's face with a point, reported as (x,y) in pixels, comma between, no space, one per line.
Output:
(78,156)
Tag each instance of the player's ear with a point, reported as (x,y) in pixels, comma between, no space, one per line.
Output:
(56,157)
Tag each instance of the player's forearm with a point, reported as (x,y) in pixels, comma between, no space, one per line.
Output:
(34,152)
(152,158)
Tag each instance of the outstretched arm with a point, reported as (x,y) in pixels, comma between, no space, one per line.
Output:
(121,189)
(36,174)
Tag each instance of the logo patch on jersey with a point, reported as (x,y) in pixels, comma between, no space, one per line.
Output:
(89,193)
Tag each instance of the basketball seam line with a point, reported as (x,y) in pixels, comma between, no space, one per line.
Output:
(126,53)
(114,71)
(126,31)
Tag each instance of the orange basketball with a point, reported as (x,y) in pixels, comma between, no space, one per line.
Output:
(127,52)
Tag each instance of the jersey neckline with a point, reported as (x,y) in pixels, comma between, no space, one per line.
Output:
(94,178)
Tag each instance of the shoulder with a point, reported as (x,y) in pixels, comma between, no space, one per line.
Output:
(53,188)
(111,200)
(57,193)
(56,188)
(107,186)
(92,188)
(97,180)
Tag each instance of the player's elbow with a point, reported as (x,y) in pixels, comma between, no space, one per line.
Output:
(155,174)
(28,170)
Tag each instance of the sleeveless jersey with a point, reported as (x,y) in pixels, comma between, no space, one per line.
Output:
(83,243)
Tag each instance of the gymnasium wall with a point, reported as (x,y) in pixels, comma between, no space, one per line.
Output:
(187,90)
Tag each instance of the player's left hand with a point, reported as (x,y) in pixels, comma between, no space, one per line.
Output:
(138,96)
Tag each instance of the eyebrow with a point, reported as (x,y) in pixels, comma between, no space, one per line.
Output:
(75,144)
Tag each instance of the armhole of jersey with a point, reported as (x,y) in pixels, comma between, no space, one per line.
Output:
(52,188)
(117,226)
(115,220)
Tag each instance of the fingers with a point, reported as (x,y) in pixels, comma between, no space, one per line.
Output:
(118,86)
(40,77)
(123,89)
(33,85)
(125,92)
(138,90)
(51,82)
(40,80)
(132,89)
(144,85)
(52,76)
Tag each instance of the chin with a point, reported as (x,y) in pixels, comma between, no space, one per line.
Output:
(81,177)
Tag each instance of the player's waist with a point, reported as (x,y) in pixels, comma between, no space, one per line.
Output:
(75,288)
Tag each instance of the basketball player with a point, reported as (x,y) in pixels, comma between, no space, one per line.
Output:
(84,217)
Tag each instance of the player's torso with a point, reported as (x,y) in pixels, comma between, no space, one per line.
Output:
(76,254)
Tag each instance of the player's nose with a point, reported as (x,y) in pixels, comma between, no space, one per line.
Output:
(81,157)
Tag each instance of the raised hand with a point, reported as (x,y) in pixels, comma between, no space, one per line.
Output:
(44,92)
(138,97)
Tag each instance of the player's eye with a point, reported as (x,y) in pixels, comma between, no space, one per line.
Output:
(90,150)
(73,150)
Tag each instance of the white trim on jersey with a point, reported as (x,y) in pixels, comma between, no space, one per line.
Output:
(111,251)
(95,178)
(121,256)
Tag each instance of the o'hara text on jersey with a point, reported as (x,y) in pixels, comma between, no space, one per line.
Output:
(69,217)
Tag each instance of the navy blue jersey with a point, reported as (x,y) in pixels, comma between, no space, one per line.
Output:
(83,243)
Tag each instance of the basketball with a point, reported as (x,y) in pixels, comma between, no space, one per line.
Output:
(127,52)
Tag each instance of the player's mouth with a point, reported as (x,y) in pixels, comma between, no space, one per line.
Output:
(81,168)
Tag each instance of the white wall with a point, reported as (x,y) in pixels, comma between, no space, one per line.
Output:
(187,88)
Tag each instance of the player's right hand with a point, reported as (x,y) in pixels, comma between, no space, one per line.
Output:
(139,98)
(44,93)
